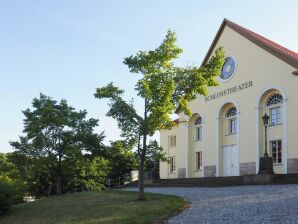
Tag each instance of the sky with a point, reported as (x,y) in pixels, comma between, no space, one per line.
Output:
(67,48)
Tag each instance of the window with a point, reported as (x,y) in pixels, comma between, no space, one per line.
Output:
(172,140)
(198,134)
(198,129)
(198,121)
(172,164)
(232,112)
(276,148)
(198,160)
(273,103)
(232,126)
(275,116)
(232,120)
(274,100)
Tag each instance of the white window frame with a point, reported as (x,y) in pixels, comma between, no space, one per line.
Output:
(233,125)
(276,157)
(198,129)
(275,105)
(172,164)
(172,141)
(232,121)
(198,133)
(278,118)
(198,160)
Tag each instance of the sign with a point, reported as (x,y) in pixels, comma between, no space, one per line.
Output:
(231,90)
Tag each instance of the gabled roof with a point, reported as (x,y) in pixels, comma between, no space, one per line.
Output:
(277,50)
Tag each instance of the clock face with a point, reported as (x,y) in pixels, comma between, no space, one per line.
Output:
(228,68)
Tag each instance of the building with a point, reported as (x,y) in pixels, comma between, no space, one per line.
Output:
(225,135)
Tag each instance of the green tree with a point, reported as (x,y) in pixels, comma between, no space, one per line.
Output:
(164,87)
(122,159)
(90,173)
(154,154)
(56,133)
(12,186)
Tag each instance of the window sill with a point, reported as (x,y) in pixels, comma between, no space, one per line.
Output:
(278,164)
(231,134)
(274,125)
(172,172)
(197,170)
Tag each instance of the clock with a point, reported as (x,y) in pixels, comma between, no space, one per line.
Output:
(228,68)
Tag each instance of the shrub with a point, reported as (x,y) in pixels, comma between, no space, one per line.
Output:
(6,196)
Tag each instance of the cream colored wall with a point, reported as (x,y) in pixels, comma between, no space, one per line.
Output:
(194,146)
(265,70)
(179,151)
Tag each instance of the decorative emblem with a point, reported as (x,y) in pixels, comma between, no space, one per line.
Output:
(228,68)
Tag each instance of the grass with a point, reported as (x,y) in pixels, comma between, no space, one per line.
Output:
(110,206)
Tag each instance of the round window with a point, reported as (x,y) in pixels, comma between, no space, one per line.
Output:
(228,68)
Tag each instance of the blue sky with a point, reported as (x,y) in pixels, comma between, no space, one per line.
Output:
(68,48)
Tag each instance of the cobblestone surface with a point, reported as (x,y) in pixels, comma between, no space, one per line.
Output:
(244,204)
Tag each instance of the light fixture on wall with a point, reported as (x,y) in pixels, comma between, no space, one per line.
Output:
(266,163)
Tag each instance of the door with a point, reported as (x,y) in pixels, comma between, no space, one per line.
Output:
(230,160)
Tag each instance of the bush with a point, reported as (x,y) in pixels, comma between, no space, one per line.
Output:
(6,196)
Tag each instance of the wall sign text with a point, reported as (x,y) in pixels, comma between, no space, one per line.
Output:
(231,90)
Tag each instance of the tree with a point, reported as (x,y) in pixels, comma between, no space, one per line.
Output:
(12,186)
(90,173)
(121,158)
(56,133)
(154,154)
(163,87)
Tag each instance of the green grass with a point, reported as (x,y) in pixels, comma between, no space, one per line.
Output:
(109,206)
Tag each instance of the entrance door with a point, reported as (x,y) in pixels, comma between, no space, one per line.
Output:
(230,160)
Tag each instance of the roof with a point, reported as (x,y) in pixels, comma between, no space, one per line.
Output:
(176,121)
(279,51)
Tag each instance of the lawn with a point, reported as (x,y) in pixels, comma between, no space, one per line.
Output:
(110,206)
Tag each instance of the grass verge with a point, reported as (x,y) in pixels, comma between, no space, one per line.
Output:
(110,206)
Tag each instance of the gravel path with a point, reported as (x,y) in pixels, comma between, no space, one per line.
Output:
(245,204)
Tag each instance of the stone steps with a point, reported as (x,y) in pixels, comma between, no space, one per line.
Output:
(218,181)
(285,178)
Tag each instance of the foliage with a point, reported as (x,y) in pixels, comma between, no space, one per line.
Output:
(12,186)
(122,159)
(91,174)
(154,154)
(6,196)
(55,134)
(108,207)
(164,87)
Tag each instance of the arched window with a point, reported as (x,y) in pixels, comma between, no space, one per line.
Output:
(198,121)
(273,103)
(274,99)
(231,112)
(198,129)
(232,119)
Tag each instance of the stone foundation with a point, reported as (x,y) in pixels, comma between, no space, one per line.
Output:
(181,172)
(293,165)
(247,168)
(210,171)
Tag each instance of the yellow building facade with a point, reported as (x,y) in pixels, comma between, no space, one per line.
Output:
(225,136)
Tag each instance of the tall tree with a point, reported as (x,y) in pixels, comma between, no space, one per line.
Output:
(122,159)
(55,132)
(164,87)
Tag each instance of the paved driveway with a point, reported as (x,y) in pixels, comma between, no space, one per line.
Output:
(245,204)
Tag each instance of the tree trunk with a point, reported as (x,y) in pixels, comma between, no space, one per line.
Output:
(141,195)
(59,178)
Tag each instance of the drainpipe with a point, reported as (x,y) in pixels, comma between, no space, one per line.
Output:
(186,147)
